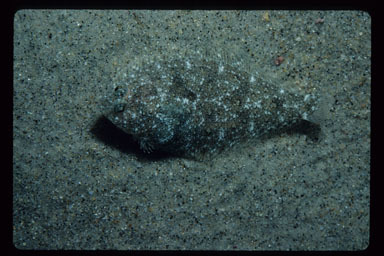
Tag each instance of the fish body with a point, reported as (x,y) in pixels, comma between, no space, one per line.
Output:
(186,107)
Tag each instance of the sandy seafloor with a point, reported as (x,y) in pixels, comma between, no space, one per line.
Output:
(77,185)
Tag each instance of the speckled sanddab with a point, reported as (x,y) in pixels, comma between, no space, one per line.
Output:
(189,106)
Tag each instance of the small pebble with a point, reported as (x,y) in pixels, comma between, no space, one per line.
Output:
(279,60)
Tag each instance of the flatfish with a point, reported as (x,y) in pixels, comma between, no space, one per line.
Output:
(188,107)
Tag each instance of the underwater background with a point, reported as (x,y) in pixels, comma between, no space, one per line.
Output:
(79,183)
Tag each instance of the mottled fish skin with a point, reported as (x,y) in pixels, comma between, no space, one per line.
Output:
(186,107)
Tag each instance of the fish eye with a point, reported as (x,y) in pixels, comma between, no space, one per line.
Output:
(119,107)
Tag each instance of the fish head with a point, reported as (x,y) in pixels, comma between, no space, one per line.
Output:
(143,113)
